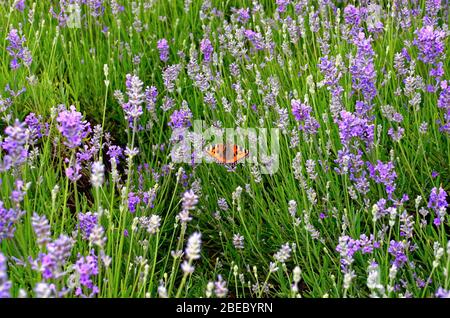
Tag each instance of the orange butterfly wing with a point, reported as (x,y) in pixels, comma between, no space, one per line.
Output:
(216,152)
(219,151)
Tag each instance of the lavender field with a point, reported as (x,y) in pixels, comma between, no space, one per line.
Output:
(119,178)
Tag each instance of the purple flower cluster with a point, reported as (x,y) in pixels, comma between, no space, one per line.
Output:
(16,49)
(20,5)
(242,66)
(151,95)
(180,118)
(133,201)
(5,284)
(363,69)
(133,108)
(86,223)
(8,220)
(189,202)
(398,250)
(302,114)
(87,269)
(163,47)
(352,15)
(255,38)
(36,127)
(332,69)
(331,72)
(282,5)
(384,173)
(300,111)
(352,129)
(72,126)
(442,293)
(348,246)
(207,49)
(242,15)
(444,103)
(51,264)
(41,228)
(438,202)
(170,75)
(430,43)
(15,145)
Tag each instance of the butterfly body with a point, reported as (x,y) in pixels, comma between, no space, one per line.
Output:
(227,154)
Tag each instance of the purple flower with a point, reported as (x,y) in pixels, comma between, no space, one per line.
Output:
(398,250)
(444,103)
(73,171)
(255,38)
(238,241)
(60,249)
(41,228)
(17,50)
(222,204)
(14,145)
(432,8)
(352,128)
(86,223)
(133,201)
(283,254)
(384,173)
(363,69)
(352,15)
(87,269)
(348,246)
(114,152)
(436,72)
(430,43)
(170,75)
(207,49)
(437,221)
(406,225)
(5,284)
(243,15)
(51,264)
(220,287)
(72,126)
(189,200)
(8,220)
(35,127)
(438,200)
(163,47)
(330,71)
(282,4)
(133,108)
(151,94)
(20,5)
(180,118)
(442,293)
(302,114)
(18,193)
(299,110)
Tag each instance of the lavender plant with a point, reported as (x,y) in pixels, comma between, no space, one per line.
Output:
(96,98)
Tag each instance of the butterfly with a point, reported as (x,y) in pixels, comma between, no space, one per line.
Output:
(227,154)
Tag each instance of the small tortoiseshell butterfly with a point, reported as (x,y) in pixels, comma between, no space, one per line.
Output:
(227,154)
